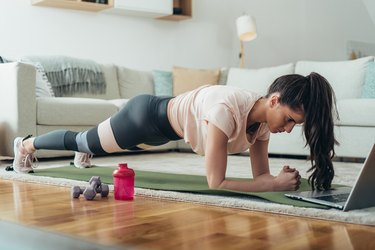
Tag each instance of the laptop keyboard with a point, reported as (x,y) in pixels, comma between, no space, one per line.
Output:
(334,198)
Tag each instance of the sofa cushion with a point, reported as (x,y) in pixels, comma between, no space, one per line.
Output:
(163,82)
(73,111)
(112,86)
(368,90)
(356,112)
(186,79)
(346,77)
(134,82)
(257,80)
(110,76)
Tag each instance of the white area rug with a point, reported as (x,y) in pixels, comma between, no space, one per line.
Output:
(238,166)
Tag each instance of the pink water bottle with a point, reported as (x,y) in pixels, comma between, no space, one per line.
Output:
(123,180)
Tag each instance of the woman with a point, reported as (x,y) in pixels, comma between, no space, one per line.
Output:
(215,121)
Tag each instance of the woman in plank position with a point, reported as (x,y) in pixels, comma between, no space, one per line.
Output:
(215,120)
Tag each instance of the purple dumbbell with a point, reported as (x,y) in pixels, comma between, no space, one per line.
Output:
(96,186)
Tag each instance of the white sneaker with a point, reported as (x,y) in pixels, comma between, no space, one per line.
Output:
(23,162)
(82,160)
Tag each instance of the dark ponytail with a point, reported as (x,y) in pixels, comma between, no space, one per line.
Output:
(315,96)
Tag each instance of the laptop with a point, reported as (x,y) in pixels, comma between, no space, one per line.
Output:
(346,198)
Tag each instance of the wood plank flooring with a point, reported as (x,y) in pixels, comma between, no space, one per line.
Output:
(148,223)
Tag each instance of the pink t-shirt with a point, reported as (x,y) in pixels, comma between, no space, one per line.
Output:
(224,106)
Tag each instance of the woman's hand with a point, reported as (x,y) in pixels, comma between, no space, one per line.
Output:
(288,179)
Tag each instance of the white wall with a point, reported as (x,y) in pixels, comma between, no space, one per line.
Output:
(330,24)
(288,30)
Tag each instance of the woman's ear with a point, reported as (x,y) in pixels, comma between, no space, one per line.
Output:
(274,99)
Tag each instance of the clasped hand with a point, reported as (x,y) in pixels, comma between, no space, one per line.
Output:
(288,179)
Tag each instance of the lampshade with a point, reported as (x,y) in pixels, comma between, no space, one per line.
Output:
(246,28)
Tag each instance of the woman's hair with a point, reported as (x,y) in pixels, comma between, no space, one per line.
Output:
(315,96)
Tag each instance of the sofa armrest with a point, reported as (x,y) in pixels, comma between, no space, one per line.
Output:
(17,103)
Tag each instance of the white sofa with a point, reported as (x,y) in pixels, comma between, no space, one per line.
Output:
(355,130)
(22,112)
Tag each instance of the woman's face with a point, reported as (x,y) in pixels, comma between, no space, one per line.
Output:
(281,118)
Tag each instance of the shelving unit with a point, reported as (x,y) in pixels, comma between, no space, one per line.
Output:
(142,8)
(186,6)
(74,4)
(86,5)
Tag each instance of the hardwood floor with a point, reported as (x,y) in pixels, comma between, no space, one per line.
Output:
(149,223)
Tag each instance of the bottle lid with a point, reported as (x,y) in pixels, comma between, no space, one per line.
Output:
(125,165)
(123,170)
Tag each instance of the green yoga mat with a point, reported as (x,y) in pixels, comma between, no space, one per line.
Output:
(169,182)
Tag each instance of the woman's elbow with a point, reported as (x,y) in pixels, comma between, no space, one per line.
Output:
(214,184)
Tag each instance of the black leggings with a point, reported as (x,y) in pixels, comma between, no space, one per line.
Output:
(143,120)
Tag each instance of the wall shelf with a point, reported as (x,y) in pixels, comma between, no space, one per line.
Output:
(186,11)
(85,5)
(74,4)
(142,8)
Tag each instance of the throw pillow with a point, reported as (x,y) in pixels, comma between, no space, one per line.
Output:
(4,60)
(43,87)
(257,80)
(345,77)
(368,90)
(186,79)
(223,76)
(163,82)
(69,75)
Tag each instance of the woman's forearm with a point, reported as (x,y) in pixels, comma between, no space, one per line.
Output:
(262,183)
